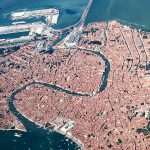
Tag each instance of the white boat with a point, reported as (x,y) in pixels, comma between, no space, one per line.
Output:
(17,135)
(19,22)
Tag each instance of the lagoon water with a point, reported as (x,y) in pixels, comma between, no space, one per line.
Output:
(131,12)
(37,140)
(71,10)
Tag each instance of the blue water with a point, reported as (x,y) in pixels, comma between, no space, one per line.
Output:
(71,10)
(14,35)
(38,140)
(132,12)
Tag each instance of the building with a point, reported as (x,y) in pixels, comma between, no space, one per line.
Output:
(67,126)
(40,46)
(39,31)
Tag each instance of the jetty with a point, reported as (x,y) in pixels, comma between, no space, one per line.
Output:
(21,28)
(51,15)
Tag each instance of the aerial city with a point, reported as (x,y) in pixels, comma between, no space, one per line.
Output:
(74,75)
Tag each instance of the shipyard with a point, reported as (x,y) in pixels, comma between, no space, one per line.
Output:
(36,30)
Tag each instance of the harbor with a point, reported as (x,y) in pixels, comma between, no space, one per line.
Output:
(37,30)
(51,15)
(21,28)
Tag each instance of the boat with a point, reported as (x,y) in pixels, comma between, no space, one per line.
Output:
(17,135)
(19,22)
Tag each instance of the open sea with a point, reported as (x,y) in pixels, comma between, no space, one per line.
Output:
(135,13)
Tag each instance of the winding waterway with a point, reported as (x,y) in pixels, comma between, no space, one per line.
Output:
(44,139)
(37,137)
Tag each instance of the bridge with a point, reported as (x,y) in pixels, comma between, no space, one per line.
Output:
(85,13)
(72,38)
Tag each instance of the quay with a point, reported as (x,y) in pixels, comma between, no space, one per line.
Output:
(16,41)
(21,28)
(50,14)
(37,30)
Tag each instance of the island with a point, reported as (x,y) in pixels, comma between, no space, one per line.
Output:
(95,91)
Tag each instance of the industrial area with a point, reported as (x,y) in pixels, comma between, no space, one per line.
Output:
(41,31)
(51,15)
(37,31)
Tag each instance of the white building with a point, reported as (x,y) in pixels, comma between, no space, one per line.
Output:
(67,126)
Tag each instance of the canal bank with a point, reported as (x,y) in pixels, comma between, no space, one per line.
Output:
(36,129)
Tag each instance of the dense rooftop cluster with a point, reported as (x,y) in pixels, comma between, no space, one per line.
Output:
(116,118)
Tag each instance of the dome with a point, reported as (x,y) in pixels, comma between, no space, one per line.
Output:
(39,31)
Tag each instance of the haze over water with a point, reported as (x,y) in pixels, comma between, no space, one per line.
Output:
(132,12)
(70,10)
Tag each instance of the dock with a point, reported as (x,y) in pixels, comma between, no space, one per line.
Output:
(16,41)
(21,28)
(51,15)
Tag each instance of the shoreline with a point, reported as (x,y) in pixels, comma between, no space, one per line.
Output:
(112,55)
(36,82)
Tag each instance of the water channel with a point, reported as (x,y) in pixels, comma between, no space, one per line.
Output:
(37,137)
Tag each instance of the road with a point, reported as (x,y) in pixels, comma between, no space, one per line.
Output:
(74,36)
(85,13)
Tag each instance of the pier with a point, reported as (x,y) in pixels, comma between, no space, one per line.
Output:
(51,15)
(16,41)
(36,29)
(21,28)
